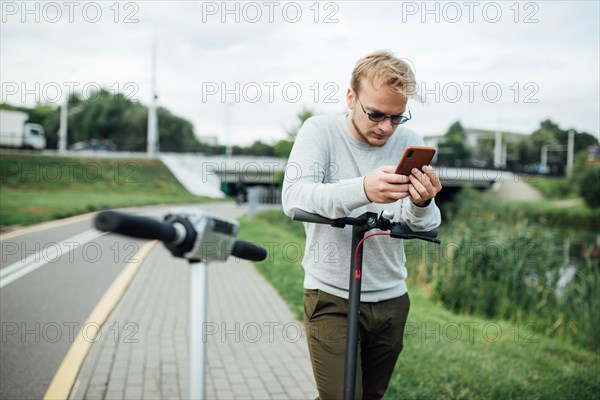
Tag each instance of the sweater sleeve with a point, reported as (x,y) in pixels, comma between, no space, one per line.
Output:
(421,219)
(309,183)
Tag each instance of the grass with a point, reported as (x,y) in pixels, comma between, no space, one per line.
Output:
(578,215)
(446,355)
(555,188)
(456,356)
(553,212)
(284,240)
(562,205)
(547,211)
(505,261)
(40,188)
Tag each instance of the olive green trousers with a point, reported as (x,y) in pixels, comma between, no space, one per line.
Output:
(381,330)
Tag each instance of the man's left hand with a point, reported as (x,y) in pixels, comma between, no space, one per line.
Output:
(423,186)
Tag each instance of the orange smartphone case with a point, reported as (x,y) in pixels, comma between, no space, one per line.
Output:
(415,157)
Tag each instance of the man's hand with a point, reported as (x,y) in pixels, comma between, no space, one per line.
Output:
(423,186)
(385,186)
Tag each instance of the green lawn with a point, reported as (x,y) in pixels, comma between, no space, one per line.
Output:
(456,356)
(555,187)
(446,355)
(563,204)
(40,188)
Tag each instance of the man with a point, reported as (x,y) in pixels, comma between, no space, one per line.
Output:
(344,166)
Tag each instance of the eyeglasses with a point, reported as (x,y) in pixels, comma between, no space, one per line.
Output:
(379,116)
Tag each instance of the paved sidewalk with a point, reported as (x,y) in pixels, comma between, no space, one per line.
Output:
(255,347)
(516,188)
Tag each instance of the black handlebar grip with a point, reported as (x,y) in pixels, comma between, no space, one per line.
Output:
(402,231)
(248,251)
(301,215)
(430,236)
(138,227)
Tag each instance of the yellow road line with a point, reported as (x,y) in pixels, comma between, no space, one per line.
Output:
(65,376)
(65,221)
(45,225)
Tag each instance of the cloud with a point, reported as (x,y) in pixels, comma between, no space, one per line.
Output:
(267,48)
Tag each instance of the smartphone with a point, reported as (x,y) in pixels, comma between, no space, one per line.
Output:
(415,157)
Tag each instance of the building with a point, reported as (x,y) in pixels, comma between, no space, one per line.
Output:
(593,154)
(482,143)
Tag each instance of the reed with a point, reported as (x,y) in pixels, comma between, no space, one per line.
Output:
(496,262)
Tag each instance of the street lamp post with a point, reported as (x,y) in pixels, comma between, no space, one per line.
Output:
(152,130)
(570,150)
(62,130)
(228,129)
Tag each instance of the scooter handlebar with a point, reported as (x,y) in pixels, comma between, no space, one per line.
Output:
(138,227)
(398,229)
(301,215)
(147,228)
(402,231)
(248,251)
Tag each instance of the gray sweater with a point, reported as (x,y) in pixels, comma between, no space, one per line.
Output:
(324,175)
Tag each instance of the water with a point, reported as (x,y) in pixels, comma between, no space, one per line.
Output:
(577,248)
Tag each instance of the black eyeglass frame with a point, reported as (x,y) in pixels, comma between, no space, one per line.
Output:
(379,116)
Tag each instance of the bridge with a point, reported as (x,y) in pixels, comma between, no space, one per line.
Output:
(205,175)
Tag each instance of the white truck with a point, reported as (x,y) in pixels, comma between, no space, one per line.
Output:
(15,132)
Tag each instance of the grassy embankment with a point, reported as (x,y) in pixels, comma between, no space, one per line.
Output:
(554,187)
(562,206)
(40,188)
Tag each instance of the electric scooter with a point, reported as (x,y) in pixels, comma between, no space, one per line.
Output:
(361,225)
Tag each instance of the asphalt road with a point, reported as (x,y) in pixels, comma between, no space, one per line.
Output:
(71,266)
(42,311)
(68,268)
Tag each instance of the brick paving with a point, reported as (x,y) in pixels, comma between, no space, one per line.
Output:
(255,347)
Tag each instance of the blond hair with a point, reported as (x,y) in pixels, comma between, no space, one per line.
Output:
(384,66)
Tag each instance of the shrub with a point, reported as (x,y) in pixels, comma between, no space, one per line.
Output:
(589,185)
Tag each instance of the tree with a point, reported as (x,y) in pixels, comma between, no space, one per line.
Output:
(107,116)
(175,133)
(283,147)
(303,115)
(453,149)
(258,148)
(549,133)
(589,190)
(484,151)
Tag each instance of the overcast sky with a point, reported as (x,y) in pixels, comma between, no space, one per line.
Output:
(490,65)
